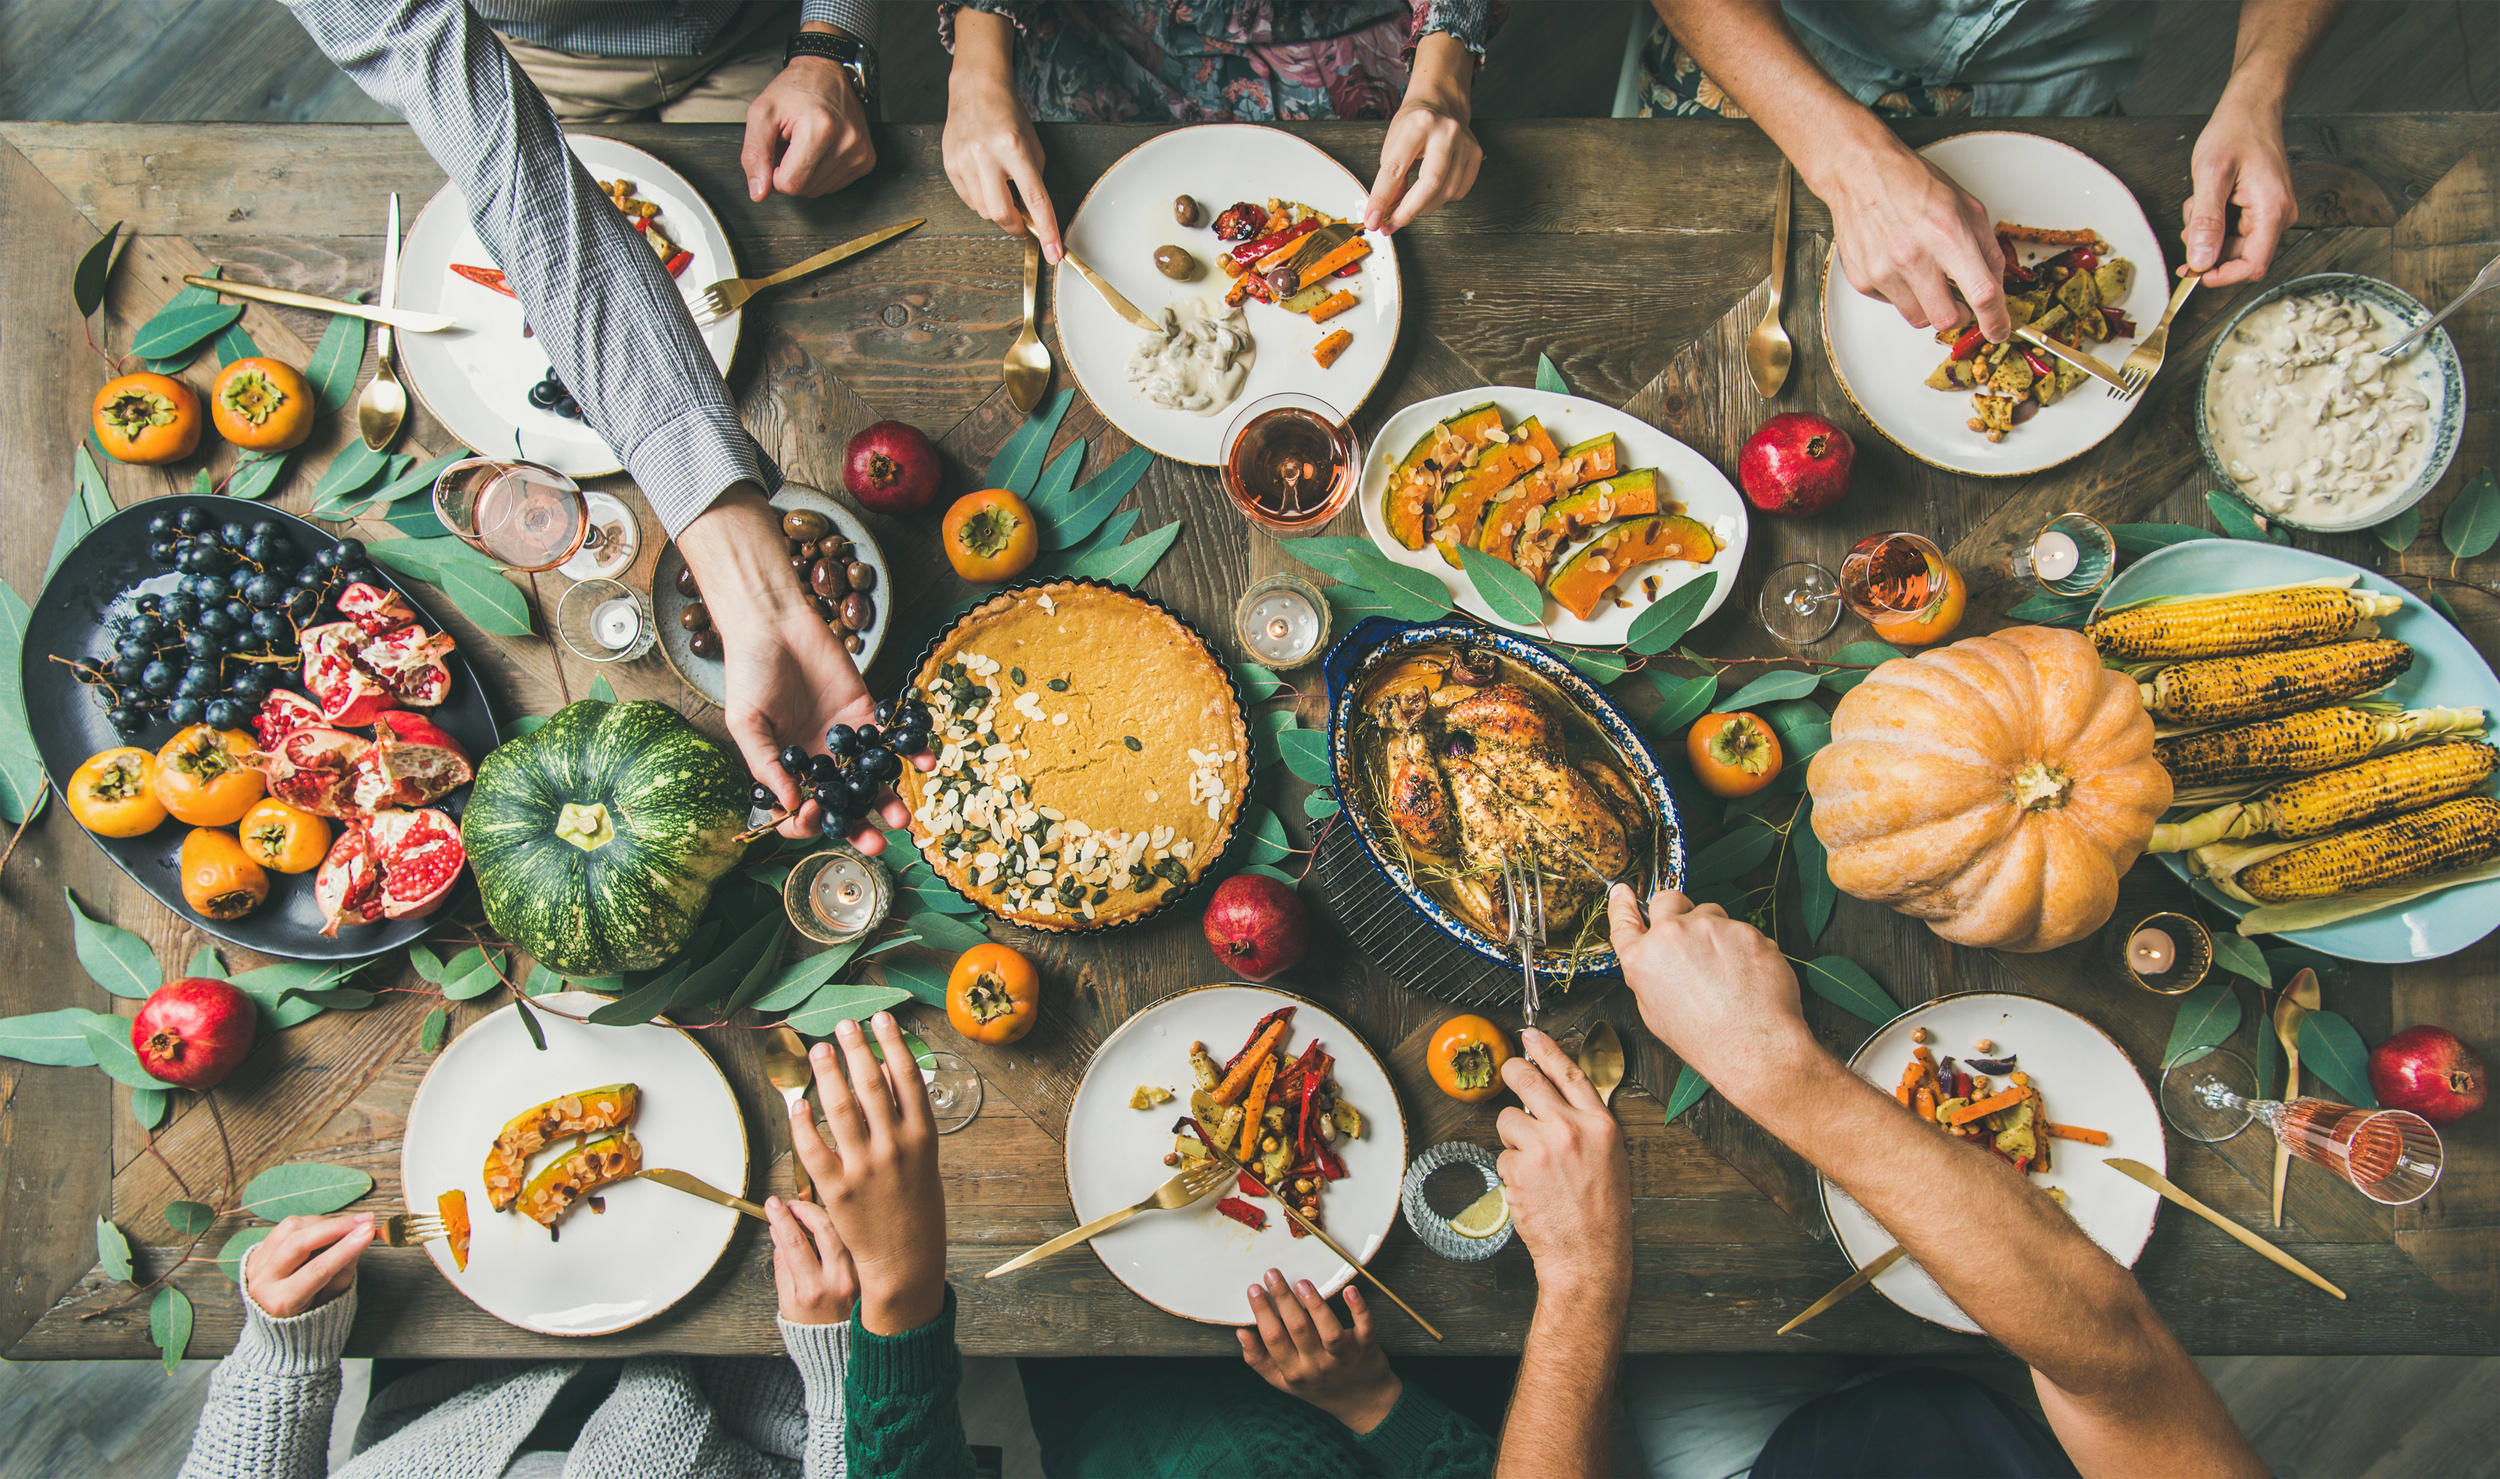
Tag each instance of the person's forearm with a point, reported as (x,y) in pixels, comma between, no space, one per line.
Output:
(1746,47)
(1562,1409)
(2275,40)
(985,48)
(1445,73)
(270,1401)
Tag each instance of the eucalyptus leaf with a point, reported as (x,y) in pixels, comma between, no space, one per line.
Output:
(1731,856)
(1841,680)
(527,724)
(355,467)
(1057,478)
(1513,596)
(346,998)
(90,503)
(541,981)
(924,980)
(2334,1051)
(1331,555)
(1816,894)
(190,1218)
(950,932)
(2141,539)
(799,981)
(23,783)
(234,342)
(1305,753)
(255,477)
(2472,522)
(111,1046)
(1352,604)
(711,980)
(646,1001)
(418,479)
(1770,686)
(1084,509)
(1689,1089)
(1413,594)
(1267,841)
(1549,378)
(1597,664)
(2399,532)
(471,983)
(475,584)
(148,1107)
(277,989)
(602,690)
(229,1259)
(1686,699)
(1109,537)
(427,965)
(1256,681)
(303,1189)
(1320,805)
(180,328)
(1018,465)
(2440,604)
(890,942)
(1127,564)
(842,1003)
(1845,984)
(169,1325)
(939,896)
(112,1250)
(1266,871)
(2206,1019)
(58,1038)
(1671,615)
(760,975)
(430,1032)
(2239,521)
(335,363)
(2239,954)
(2054,611)
(95,264)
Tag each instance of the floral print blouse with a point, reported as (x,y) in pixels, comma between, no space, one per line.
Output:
(1199,61)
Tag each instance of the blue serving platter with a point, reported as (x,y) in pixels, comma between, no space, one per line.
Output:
(1379,640)
(2446,670)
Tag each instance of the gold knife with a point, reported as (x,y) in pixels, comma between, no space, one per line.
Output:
(2075,357)
(2138,1171)
(1331,1244)
(1111,295)
(398,318)
(1848,1286)
(697,1187)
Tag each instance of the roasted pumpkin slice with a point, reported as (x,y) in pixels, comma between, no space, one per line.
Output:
(1415,488)
(552,1192)
(590,1112)
(1584,579)
(1627,496)
(454,1205)
(1501,466)
(1521,508)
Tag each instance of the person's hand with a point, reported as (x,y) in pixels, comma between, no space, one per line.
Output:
(1564,1171)
(807,133)
(879,1178)
(1302,1349)
(1715,990)
(2239,163)
(812,1273)
(306,1262)
(992,155)
(1429,136)
(1910,236)
(785,674)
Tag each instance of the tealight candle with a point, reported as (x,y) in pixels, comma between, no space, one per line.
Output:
(2151,951)
(849,894)
(2054,555)
(1282,621)
(616,623)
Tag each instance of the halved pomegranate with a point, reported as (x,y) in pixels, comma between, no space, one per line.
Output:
(409,662)
(313,769)
(421,857)
(282,713)
(375,609)
(348,693)
(411,763)
(349,886)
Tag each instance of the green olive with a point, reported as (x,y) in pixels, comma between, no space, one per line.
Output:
(1176,264)
(805,524)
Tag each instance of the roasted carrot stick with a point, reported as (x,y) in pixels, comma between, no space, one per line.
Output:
(1909,1081)
(2078,1132)
(1332,305)
(1980,1108)
(1353,251)
(1258,1062)
(1327,350)
(1256,1106)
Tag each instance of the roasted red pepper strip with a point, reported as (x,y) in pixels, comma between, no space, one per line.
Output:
(1243,1213)
(485,277)
(1329,1164)
(678,263)
(1249,1185)
(1251,251)
(2120,326)
(1302,1131)
(2039,365)
(1969,343)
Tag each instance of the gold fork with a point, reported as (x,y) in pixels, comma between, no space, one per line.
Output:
(785,1063)
(1188,1187)
(1525,883)
(2140,367)
(730,294)
(408,1229)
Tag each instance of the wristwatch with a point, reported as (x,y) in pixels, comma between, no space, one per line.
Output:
(857,58)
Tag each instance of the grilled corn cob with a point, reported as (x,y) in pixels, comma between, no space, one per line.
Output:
(2437,839)
(2234,626)
(2317,804)
(2229,690)
(2296,744)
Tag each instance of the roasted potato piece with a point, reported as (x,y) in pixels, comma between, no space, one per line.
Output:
(1201,1062)
(1347,1118)
(590,1112)
(552,1192)
(1147,1096)
(2113,280)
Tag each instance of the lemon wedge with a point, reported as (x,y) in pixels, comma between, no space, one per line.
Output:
(1488,1215)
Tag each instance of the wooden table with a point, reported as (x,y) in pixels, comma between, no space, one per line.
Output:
(1635,255)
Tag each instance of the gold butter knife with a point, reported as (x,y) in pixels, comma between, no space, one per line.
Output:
(2138,1171)
(1848,1286)
(1111,295)
(2075,357)
(1225,1157)
(694,1186)
(398,318)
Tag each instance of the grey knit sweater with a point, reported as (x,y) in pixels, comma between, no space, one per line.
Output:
(270,1404)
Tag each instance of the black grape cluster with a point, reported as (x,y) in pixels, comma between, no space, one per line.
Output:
(856,765)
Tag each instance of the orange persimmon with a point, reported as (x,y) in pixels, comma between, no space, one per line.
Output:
(993,995)
(202,779)
(1733,754)
(1466,1058)
(285,837)
(217,879)
(147,419)
(991,535)
(113,793)
(261,405)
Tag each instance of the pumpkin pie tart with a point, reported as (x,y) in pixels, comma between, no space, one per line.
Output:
(1092,757)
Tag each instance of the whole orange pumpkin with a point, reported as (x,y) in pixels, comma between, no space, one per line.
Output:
(1996,788)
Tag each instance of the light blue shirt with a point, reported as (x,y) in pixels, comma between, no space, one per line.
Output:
(2019,58)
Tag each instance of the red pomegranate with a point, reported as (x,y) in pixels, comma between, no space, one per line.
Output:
(282,713)
(2431,1072)
(1257,926)
(892,468)
(1796,464)
(191,1033)
(421,856)
(411,762)
(348,888)
(409,661)
(375,609)
(314,769)
(349,695)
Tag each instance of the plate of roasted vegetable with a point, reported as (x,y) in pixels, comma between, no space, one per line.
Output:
(1283,1086)
(2082,266)
(2032,1084)
(1596,512)
(530,1155)
(1457,750)
(2324,733)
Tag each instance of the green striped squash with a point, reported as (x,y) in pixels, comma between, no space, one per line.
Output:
(597,839)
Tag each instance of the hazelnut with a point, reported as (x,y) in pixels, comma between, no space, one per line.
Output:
(1918,1034)
(1270,1143)
(1171,1158)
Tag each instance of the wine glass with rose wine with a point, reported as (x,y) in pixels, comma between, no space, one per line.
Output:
(2389,1155)
(533,518)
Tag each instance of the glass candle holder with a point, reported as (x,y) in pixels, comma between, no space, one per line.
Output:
(838,894)
(1282,621)
(2070,555)
(605,621)
(2168,954)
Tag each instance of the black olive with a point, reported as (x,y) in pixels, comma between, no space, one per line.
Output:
(685,583)
(695,618)
(863,576)
(805,523)
(858,612)
(704,644)
(827,579)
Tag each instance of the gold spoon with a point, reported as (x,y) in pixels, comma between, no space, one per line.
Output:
(1027,366)
(2299,1000)
(1601,1058)
(1767,350)
(384,404)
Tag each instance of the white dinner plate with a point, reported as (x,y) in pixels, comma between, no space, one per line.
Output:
(604,1271)
(1128,214)
(1196,1262)
(2085,1079)
(1883,363)
(1692,480)
(475,379)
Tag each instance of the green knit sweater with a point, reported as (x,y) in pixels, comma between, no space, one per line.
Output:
(903,1423)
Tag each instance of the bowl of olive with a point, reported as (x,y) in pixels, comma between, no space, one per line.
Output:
(836,558)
